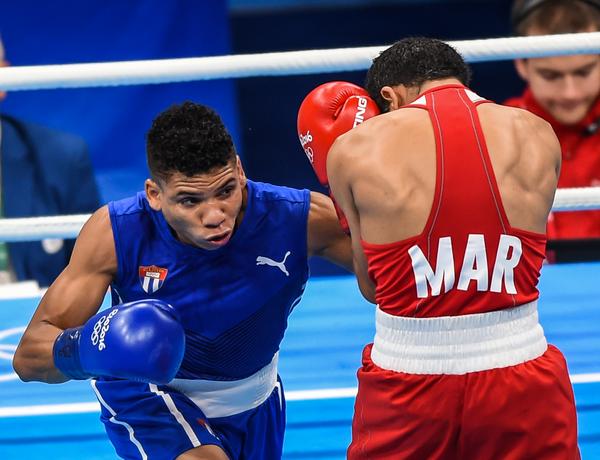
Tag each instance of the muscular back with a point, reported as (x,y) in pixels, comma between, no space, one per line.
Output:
(389,163)
(525,155)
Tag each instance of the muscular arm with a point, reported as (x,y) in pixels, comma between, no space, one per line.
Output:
(339,182)
(325,236)
(74,297)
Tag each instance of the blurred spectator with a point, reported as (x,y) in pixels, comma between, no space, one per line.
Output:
(43,172)
(565,91)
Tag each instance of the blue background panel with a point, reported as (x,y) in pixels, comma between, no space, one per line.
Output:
(114,120)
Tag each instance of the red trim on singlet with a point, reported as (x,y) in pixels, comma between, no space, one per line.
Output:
(440,174)
(487,164)
(390,265)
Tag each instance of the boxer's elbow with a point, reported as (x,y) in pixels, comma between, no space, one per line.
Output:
(31,365)
(22,367)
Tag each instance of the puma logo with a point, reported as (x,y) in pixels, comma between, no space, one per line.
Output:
(262,260)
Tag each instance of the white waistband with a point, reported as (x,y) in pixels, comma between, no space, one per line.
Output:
(458,344)
(225,398)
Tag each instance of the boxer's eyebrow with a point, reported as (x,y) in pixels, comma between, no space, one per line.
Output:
(195,193)
(229,183)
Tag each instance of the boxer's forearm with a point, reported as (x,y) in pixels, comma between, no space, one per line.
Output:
(33,359)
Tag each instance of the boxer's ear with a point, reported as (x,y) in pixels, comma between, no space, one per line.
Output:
(241,173)
(396,96)
(154,193)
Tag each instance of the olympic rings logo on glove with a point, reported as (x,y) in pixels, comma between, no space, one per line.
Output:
(100,329)
(305,139)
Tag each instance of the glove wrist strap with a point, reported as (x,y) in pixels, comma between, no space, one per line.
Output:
(66,354)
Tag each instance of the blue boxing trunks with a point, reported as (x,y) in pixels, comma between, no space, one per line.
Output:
(246,418)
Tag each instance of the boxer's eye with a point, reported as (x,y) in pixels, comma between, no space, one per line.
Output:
(226,191)
(188,201)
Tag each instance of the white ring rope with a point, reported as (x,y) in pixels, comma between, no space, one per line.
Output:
(577,199)
(265,64)
(38,228)
(284,63)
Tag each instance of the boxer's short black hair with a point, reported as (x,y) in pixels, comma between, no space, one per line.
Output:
(188,138)
(412,62)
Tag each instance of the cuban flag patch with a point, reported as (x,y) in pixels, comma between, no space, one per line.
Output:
(152,278)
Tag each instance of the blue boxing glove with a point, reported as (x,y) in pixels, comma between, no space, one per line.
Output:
(142,341)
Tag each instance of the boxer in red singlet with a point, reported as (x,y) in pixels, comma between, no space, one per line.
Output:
(447,197)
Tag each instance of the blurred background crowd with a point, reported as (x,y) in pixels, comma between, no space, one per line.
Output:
(66,151)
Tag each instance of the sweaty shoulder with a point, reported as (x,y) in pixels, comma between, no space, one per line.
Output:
(521,119)
(528,133)
(380,130)
(528,126)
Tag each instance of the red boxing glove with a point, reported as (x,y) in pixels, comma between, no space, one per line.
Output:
(328,111)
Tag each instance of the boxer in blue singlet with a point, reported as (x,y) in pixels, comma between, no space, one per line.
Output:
(204,268)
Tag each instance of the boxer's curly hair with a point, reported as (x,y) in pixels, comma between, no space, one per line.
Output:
(412,62)
(190,139)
